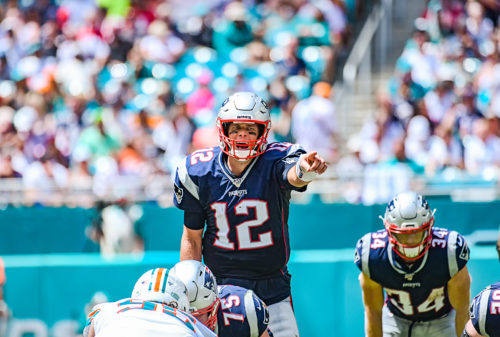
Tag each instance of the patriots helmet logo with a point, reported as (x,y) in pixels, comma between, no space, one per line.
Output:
(209,281)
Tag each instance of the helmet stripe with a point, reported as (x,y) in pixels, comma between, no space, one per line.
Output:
(151,283)
(164,285)
(158,279)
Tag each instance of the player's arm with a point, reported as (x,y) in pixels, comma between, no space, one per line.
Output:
(192,235)
(265,334)
(459,294)
(373,301)
(307,168)
(470,331)
(191,244)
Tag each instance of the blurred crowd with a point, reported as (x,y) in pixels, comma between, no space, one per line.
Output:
(439,118)
(107,96)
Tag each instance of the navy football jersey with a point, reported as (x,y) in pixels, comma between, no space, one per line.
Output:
(416,291)
(241,313)
(485,311)
(246,217)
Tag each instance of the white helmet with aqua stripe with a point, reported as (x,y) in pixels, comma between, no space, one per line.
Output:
(156,285)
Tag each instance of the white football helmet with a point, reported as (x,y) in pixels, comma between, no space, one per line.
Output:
(157,285)
(408,215)
(201,289)
(243,107)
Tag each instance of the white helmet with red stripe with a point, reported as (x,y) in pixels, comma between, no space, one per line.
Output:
(409,220)
(157,285)
(243,107)
(201,288)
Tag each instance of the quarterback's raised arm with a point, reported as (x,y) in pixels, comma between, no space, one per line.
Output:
(307,168)
(373,300)
(459,294)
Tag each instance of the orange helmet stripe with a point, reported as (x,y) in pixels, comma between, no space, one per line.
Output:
(160,273)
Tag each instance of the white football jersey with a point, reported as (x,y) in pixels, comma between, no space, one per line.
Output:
(132,318)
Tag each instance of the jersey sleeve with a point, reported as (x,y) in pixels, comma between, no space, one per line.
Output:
(97,315)
(458,252)
(290,159)
(186,190)
(362,254)
(479,311)
(257,314)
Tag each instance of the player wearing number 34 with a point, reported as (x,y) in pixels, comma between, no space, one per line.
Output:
(239,193)
(422,270)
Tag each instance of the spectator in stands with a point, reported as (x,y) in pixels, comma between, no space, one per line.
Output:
(314,122)
(235,30)
(444,151)
(417,139)
(61,62)
(482,149)
(466,112)
(439,101)
(202,98)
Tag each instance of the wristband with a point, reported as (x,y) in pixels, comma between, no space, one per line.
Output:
(304,176)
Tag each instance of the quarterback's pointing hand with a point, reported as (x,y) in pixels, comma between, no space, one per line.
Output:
(312,162)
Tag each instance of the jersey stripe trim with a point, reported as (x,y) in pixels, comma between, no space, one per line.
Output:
(483,311)
(185,179)
(365,253)
(251,314)
(452,248)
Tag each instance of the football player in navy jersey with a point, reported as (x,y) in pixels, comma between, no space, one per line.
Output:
(228,310)
(485,313)
(236,200)
(422,270)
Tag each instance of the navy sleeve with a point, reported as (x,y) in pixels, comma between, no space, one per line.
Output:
(259,309)
(357,253)
(194,220)
(461,251)
(186,190)
(288,162)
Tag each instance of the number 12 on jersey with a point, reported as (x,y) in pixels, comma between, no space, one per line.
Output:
(243,235)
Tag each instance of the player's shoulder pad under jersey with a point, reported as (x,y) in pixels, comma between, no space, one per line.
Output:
(455,245)
(199,162)
(255,310)
(483,311)
(364,245)
(191,168)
